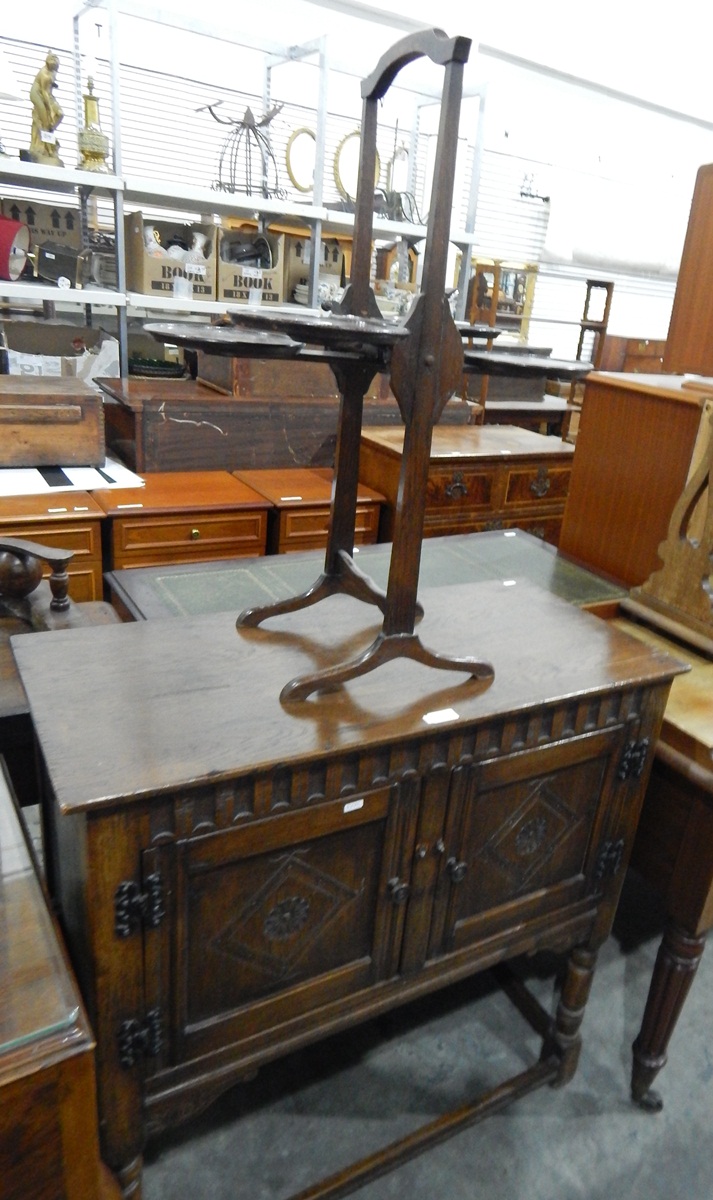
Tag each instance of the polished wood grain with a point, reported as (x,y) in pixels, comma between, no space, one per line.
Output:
(183,516)
(326,861)
(70,520)
(301,501)
(480,477)
(49,1146)
(689,343)
(633,453)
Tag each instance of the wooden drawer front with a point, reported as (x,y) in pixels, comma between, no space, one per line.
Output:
(83,539)
(541,485)
(142,541)
(460,487)
(542,525)
(308,528)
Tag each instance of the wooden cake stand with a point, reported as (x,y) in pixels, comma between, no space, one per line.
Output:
(424,356)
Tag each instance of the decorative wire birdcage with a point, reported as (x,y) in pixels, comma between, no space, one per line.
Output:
(247,163)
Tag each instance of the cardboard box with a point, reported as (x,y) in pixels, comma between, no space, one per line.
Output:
(245,283)
(45,422)
(298,253)
(56,349)
(58,223)
(157,276)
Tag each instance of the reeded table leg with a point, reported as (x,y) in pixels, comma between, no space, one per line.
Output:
(676,965)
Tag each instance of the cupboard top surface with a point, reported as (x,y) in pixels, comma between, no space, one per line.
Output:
(67,506)
(292,487)
(189,701)
(665,387)
(180,491)
(473,441)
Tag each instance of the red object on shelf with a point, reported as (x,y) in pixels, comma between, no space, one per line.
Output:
(14,247)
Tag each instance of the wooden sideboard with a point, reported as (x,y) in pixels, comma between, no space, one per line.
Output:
(301,507)
(480,477)
(238,878)
(634,445)
(49,1144)
(182,516)
(69,520)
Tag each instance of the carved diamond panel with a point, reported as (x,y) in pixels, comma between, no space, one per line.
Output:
(531,835)
(282,920)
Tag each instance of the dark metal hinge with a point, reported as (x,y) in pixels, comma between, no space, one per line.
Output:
(140,1039)
(134,908)
(609,859)
(633,759)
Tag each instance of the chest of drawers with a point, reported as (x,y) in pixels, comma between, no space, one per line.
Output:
(301,499)
(183,516)
(70,520)
(480,477)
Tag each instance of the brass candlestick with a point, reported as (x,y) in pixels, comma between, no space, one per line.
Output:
(93,144)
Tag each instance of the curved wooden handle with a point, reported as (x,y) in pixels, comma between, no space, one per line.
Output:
(427,43)
(51,554)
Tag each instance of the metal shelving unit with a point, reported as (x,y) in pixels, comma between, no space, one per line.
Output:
(127,189)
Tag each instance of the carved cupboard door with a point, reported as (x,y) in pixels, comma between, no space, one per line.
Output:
(283,915)
(522,844)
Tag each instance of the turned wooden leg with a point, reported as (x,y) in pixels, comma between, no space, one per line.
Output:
(129,1178)
(676,965)
(564,1038)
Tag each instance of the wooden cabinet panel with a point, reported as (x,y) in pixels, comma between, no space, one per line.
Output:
(282,916)
(71,521)
(519,838)
(689,344)
(634,447)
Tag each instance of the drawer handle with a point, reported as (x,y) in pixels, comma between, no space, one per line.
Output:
(541,484)
(398,891)
(457,870)
(195,534)
(456,487)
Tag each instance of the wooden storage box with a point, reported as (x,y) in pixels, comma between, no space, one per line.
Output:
(48,422)
(182,425)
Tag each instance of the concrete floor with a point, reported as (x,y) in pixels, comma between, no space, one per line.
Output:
(317,1110)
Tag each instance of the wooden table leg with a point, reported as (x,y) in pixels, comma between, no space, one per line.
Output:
(676,965)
